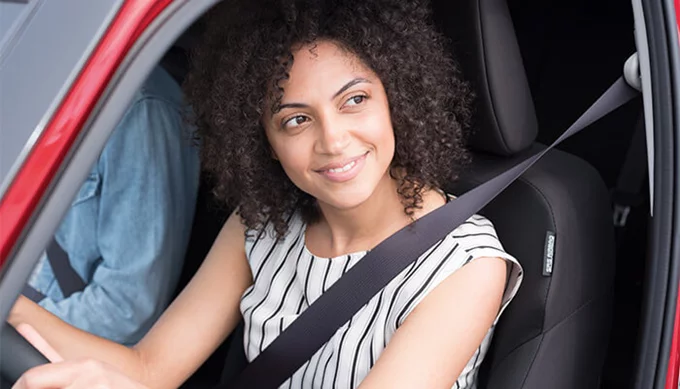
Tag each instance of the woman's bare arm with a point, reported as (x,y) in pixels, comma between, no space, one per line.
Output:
(187,333)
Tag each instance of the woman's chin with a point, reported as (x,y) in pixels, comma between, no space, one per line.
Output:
(344,202)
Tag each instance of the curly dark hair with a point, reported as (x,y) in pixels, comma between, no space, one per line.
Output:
(246,53)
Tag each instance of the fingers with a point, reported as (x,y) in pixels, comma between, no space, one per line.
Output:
(34,338)
(86,374)
(52,376)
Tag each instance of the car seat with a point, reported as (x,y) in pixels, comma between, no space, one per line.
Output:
(556,220)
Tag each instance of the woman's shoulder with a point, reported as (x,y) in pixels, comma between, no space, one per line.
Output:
(267,236)
(473,239)
(477,237)
(476,226)
(477,230)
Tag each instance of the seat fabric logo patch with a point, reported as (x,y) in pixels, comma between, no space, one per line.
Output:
(549,253)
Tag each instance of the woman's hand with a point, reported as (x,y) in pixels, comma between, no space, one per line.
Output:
(192,327)
(84,374)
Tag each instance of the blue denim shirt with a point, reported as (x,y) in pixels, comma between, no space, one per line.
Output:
(127,230)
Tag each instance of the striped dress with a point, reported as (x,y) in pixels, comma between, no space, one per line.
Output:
(288,278)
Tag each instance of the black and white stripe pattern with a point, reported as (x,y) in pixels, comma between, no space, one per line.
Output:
(288,278)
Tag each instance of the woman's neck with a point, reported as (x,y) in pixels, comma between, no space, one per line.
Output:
(364,226)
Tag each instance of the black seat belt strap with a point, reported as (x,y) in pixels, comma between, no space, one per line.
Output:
(68,280)
(317,324)
(32,294)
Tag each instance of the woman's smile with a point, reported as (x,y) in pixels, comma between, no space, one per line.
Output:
(343,171)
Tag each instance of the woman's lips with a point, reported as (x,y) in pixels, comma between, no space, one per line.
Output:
(345,171)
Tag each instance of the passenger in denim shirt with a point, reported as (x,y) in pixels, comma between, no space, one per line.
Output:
(127,231)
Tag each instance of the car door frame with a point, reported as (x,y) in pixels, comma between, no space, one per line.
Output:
(657,348)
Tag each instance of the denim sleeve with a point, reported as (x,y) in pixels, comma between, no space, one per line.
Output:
(149,176)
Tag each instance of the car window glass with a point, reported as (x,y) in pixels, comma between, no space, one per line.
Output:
(9,14)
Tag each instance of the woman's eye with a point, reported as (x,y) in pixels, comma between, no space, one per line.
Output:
(295,121)
(356,100)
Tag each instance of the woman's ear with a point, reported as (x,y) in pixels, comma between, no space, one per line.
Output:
(273,153)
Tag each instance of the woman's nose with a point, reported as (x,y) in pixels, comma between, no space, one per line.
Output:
(334,136)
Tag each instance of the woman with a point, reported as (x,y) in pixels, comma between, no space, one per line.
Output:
(332,127)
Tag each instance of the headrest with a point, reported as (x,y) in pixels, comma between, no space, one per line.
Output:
(484,44)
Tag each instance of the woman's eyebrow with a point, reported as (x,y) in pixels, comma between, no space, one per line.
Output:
(349,85)
(339,92)
(293,105)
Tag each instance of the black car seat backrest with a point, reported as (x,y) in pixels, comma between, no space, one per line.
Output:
(482,43)
(555,220)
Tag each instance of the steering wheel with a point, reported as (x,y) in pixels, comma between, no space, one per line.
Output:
(16,354)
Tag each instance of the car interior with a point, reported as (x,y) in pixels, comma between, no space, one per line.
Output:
(535,67)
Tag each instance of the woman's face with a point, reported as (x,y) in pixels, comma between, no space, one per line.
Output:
(333,135)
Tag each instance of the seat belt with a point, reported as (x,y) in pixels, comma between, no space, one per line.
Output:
(68,280)
(317,324)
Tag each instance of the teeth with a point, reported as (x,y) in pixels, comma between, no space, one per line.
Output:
(343,169)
